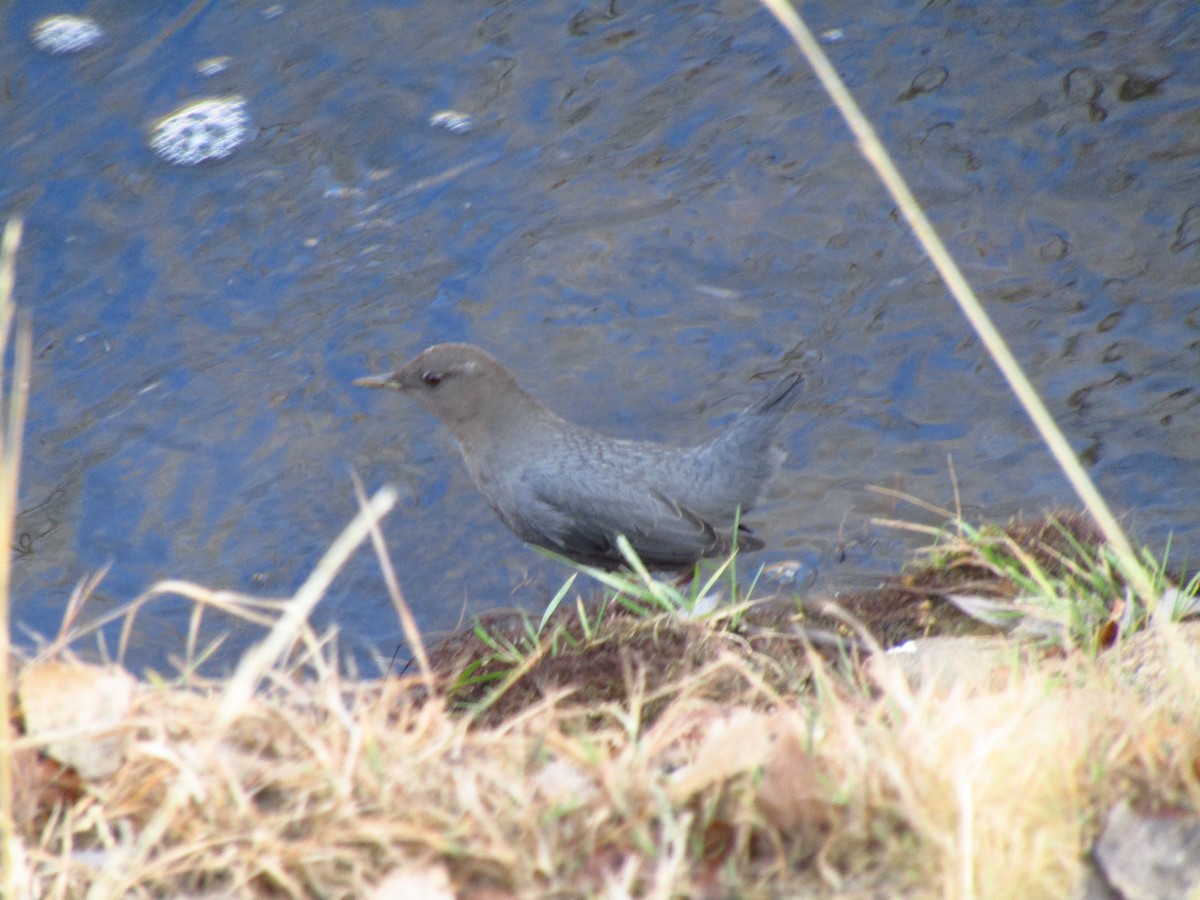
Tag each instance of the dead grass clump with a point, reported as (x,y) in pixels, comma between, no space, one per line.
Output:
(998,791)
(980,560)
(308,795)
(650,756)
(992,562)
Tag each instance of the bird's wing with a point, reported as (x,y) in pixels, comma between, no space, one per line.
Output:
(664,533)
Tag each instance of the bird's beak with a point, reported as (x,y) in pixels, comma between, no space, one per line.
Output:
(377,381)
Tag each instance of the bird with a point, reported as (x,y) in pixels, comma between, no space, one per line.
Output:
(572,490)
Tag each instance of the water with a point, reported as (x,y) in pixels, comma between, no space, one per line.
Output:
(653,205)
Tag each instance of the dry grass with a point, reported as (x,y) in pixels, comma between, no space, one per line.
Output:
(660,757)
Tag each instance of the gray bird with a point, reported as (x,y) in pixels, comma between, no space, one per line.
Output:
(573,490)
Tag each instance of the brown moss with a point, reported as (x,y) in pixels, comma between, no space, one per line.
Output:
(627,656)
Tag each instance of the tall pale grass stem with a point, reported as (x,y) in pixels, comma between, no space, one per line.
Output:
(872,148)
(10,469)
(260,658)
(408,622)
(120,875)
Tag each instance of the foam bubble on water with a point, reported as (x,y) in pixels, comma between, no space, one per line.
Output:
(205,129)
(452,120)
(65,34)
(213,65)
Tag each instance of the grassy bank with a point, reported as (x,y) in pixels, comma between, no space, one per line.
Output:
(632,745)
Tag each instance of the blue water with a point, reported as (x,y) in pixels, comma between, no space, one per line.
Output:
(650,209)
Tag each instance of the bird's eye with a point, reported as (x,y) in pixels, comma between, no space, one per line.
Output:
(433,379)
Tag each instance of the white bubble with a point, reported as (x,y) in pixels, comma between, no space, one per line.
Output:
(205,129)
(65,34)
(452,120)
(214,65)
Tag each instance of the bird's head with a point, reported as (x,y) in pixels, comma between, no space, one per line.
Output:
(464,386)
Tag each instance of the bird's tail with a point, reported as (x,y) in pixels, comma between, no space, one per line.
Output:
(737,462)
(750,433)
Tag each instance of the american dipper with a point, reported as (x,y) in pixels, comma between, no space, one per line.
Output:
(572,490)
